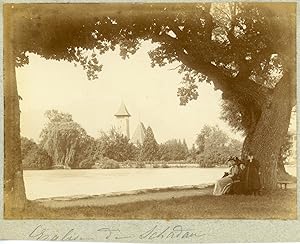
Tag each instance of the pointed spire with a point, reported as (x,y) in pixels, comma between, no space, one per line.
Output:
(139,134)
(122,112)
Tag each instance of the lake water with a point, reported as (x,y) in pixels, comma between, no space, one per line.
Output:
(55,183)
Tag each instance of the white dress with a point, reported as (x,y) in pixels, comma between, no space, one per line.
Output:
(221,183)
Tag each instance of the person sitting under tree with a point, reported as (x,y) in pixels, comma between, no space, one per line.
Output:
(247,180)
(228,178)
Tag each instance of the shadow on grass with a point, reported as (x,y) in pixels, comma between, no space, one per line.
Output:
(280,204)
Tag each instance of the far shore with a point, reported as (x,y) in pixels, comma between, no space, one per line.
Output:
(160,166)
(154,166)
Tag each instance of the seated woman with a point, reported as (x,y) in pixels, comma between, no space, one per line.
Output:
(238,186)
(232,175)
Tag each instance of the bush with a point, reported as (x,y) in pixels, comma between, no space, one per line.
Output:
(155,165)
(165,166)
(191,160)
(129,164)
(107,163)
(140,165)
(204,162)
(86,164)
(37,158)
(60,166)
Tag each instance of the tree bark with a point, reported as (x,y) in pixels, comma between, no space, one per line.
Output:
(14,190)
(265,141)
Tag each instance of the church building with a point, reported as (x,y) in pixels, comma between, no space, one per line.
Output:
(122,117)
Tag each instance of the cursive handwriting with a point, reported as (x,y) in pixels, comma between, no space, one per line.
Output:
(177,232)
(156,232)
(46,234)
(113,234)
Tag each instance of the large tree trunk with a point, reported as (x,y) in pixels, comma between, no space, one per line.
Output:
(265,141)
(14,191)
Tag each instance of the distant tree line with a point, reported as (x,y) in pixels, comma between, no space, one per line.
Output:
(65,144)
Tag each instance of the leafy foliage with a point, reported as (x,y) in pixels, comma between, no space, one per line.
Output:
(64,140)
(173,150)
(240,47)
(87,163)
(228,36)
(149,150)
(34,157)
(214,147)
(115,145)
(107,163)
(233,115)
(192,154)
(237,46)
(26,146)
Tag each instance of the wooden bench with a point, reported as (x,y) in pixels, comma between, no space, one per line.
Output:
(283,184)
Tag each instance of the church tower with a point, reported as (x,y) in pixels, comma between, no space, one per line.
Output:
(123,120)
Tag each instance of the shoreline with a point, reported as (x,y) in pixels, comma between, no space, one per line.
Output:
(149,166)
(116,198)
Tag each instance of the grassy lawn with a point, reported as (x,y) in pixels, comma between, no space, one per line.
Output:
(280,204)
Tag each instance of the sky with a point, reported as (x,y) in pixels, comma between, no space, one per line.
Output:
(150,95)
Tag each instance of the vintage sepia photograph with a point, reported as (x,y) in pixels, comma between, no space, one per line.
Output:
(149,111)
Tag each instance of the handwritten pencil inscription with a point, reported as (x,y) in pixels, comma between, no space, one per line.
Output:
(156,232)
